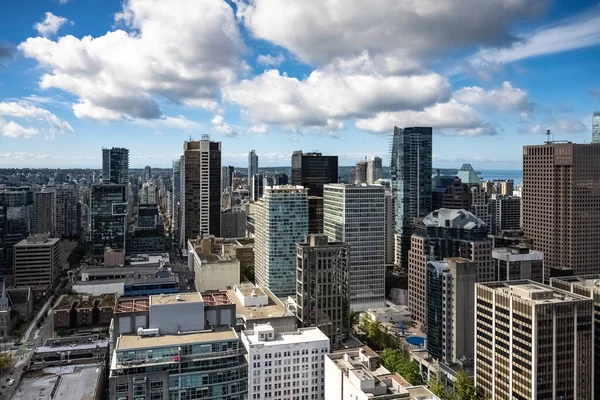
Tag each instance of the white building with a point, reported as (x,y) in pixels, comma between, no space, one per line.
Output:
(355,214)
(281,222)
(390,314)
(287,365)
(374,170)
(211,272)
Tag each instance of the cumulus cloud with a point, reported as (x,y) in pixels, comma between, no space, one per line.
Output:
(14,130)
(579,32)
(506,98)
(396,33)
(557,126)
(220,125)
(269,60)
(450,117)
(181,50)
(28,111)
(50,25)
(326,98)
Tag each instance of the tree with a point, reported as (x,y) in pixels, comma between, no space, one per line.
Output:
(396,360)
(465,388)
(437,387)
(5,362)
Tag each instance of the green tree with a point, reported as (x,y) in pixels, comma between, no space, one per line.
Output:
(437,387)
(396,360)
(465,388)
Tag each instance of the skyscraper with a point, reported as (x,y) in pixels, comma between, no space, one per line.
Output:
(360,172)
(147,173)
(67,215)
(532,342)
(15,217)
(596,127)
(226,178)
(201,195)
(561,199)
(281,223)
(257,185)
(508,214)
(445,233)
(176,200)
(115,165)
(355,214)
(313,170)
(44,212)
(322,286)
(410,170)
(450,192)
(108,212)
(252,164)
(374,170)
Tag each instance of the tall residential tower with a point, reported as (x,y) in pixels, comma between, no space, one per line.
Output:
(252,164)
(115,165)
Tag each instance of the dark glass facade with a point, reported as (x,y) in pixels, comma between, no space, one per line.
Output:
(15,216)
(313,170)
(115,165)
(108,209)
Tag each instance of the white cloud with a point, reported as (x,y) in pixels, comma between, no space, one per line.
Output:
(50,25)
(166,122)
(28,111)
(14,130)
(397,34)
(220,125)
(556,126)
(269,60)
(580,32)
(506,98)
(325,97)
(451,117)
(181,50)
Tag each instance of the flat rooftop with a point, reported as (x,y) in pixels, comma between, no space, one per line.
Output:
(131,342)
(85,301)
(173,298)
(534,292)
(302,335)
(136,304)
(216,298)
(274,308)
(77,382)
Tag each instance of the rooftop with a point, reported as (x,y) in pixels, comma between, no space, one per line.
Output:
(274,308)
(76,382)
(132,304)
(302,335)
(215,298)
(37,240)
(534,292)
(452,218)
(194,297)
(587,281)
(514,254)
(130,342)
(85,301)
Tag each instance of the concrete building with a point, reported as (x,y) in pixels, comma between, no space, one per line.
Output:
(211,271)
(285,365)
(596,127)
(322,286)
(15,216)
(480,204)
(67,211)
(445,233)
(355,214)
(149,193)
(450,310)
(257,187)
(81,311)
(149,365)
(176,199)
(252,164)
(44,214)
(360,172)
(374,170)
(255,305)
(315,214)
(115,165)
(281,223)
(201,193)
(357,374)
(450,192)
(517,263)
(313,170)
(532,342)
(233,225)
(389,226)
(559,205)
(36,261)
(410,170)
(508,214)
(227,178)
(392,314)
(109,218)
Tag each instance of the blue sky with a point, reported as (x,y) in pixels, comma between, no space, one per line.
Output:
(277,76)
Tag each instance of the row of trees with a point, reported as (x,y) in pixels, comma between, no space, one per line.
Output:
(464,389)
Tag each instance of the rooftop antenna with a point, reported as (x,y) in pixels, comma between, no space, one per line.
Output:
(548,136)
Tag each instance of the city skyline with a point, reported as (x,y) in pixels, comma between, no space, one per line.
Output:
(77,76)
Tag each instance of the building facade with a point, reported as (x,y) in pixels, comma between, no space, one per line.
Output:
(596,127)
(355,214)
(374,170)
(36,261)
(281,222)
(410,170)
(445,233)
(201,195)
(450,192)
(508,214)
(532,342)
(67,214)
(109,219)
(313,171)
(285,365)
(561,202)
(517,263)
(322,287)
(115,165)
(360,172)
(257,185)
(252,164)
(44,214)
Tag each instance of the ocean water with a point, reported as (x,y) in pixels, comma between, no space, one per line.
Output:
(501,174)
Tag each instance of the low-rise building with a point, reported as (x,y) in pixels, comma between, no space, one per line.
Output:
(285,365)
(79,311)
(390,314)
(211,271)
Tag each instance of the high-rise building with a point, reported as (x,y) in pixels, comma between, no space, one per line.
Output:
(468,175)
(360,172)
(149,193)
(252,164)
(67,215)
(322,286)
(268,352)
(532,341)
(313,170)
(561,202)
(374,170)
(36,261)
(355,214)
(315,214)
(596,127)
(176,200)
(44,212)
(147,173)
(508,214)
(389,223)
(506,187)
(480,204)
(517,263)
(410,170)
(108,214)
(588,286)
(258,187)
(281,222)
(115,165)
(450,309)
(226,178)
(445,233)
(15,216)
(201,195)
(450,192)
